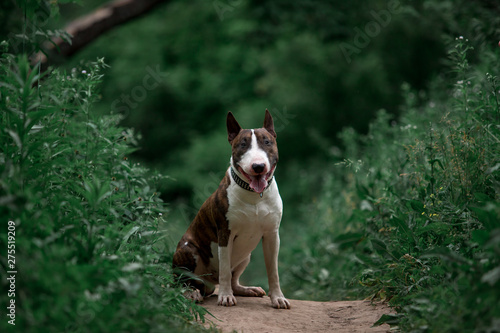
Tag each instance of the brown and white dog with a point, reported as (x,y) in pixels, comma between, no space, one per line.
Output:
(246,208)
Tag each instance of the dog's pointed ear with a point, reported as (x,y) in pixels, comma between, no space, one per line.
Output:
(269,124)
(233,128)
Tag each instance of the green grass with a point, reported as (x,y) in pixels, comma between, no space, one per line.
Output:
(91,244)
(411,213)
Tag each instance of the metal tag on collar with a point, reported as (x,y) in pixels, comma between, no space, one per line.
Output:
(261,194)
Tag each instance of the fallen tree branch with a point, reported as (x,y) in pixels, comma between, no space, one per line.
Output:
(87,28)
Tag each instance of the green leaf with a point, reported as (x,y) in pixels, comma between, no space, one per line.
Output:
(35,116)
(16,138)
(130,233)
(488,218)
(8,86)
(432,162)
(481,197)
(480,236)
(437,227)
(403,228)
(391,319)
(492,276)
(448,256)
(349,239)
(381,248)
(417,206)
(367,260)
(133,266)
(95,193)
(363,191)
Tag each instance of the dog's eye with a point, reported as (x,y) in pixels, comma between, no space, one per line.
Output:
(267,142)
(243,144)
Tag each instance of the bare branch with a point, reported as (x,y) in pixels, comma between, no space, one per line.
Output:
(89,27)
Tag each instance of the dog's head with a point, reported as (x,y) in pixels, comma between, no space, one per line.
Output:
(254,151)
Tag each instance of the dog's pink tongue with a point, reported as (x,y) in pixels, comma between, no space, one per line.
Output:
(258,183)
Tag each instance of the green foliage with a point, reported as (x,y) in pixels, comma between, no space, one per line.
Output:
(418,220)
(406,212)
(90,247)
(280,55)
(25,26)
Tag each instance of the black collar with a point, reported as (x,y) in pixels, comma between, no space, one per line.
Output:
(244,185)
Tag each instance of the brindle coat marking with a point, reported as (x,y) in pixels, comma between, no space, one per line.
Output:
(211,226)
(194,260)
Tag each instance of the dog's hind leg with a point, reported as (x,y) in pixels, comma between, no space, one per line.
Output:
(184,266)
(239,290)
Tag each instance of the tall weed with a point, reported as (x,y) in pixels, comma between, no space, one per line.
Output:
(413,209)
(90,247)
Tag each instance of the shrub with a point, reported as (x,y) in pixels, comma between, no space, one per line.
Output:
(413,217)
(89,243)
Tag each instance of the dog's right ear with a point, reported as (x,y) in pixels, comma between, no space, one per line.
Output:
(233,128)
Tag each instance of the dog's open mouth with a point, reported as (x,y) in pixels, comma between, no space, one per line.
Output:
(258,182)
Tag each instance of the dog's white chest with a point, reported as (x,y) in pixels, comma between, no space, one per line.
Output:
(250,217)
(249,212)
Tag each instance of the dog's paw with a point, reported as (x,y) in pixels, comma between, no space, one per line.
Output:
(194,295)
(280,302)
(226,300)
(248,291)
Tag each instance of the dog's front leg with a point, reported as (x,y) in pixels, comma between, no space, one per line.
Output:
(226,297)
(271,245)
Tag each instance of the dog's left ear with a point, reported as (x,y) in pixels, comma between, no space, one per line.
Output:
(233,128)
(269,124)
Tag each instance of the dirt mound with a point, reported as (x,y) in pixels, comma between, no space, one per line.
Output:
(255,314)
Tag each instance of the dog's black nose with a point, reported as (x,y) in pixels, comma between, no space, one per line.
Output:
(258,168)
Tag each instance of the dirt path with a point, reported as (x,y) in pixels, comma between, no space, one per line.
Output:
(255,314)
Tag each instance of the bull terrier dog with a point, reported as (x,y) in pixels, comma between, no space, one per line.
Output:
(245,208)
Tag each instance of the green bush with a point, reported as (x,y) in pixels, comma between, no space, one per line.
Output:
(414,216)
(90,249)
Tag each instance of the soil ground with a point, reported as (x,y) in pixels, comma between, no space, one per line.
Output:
(255,314)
